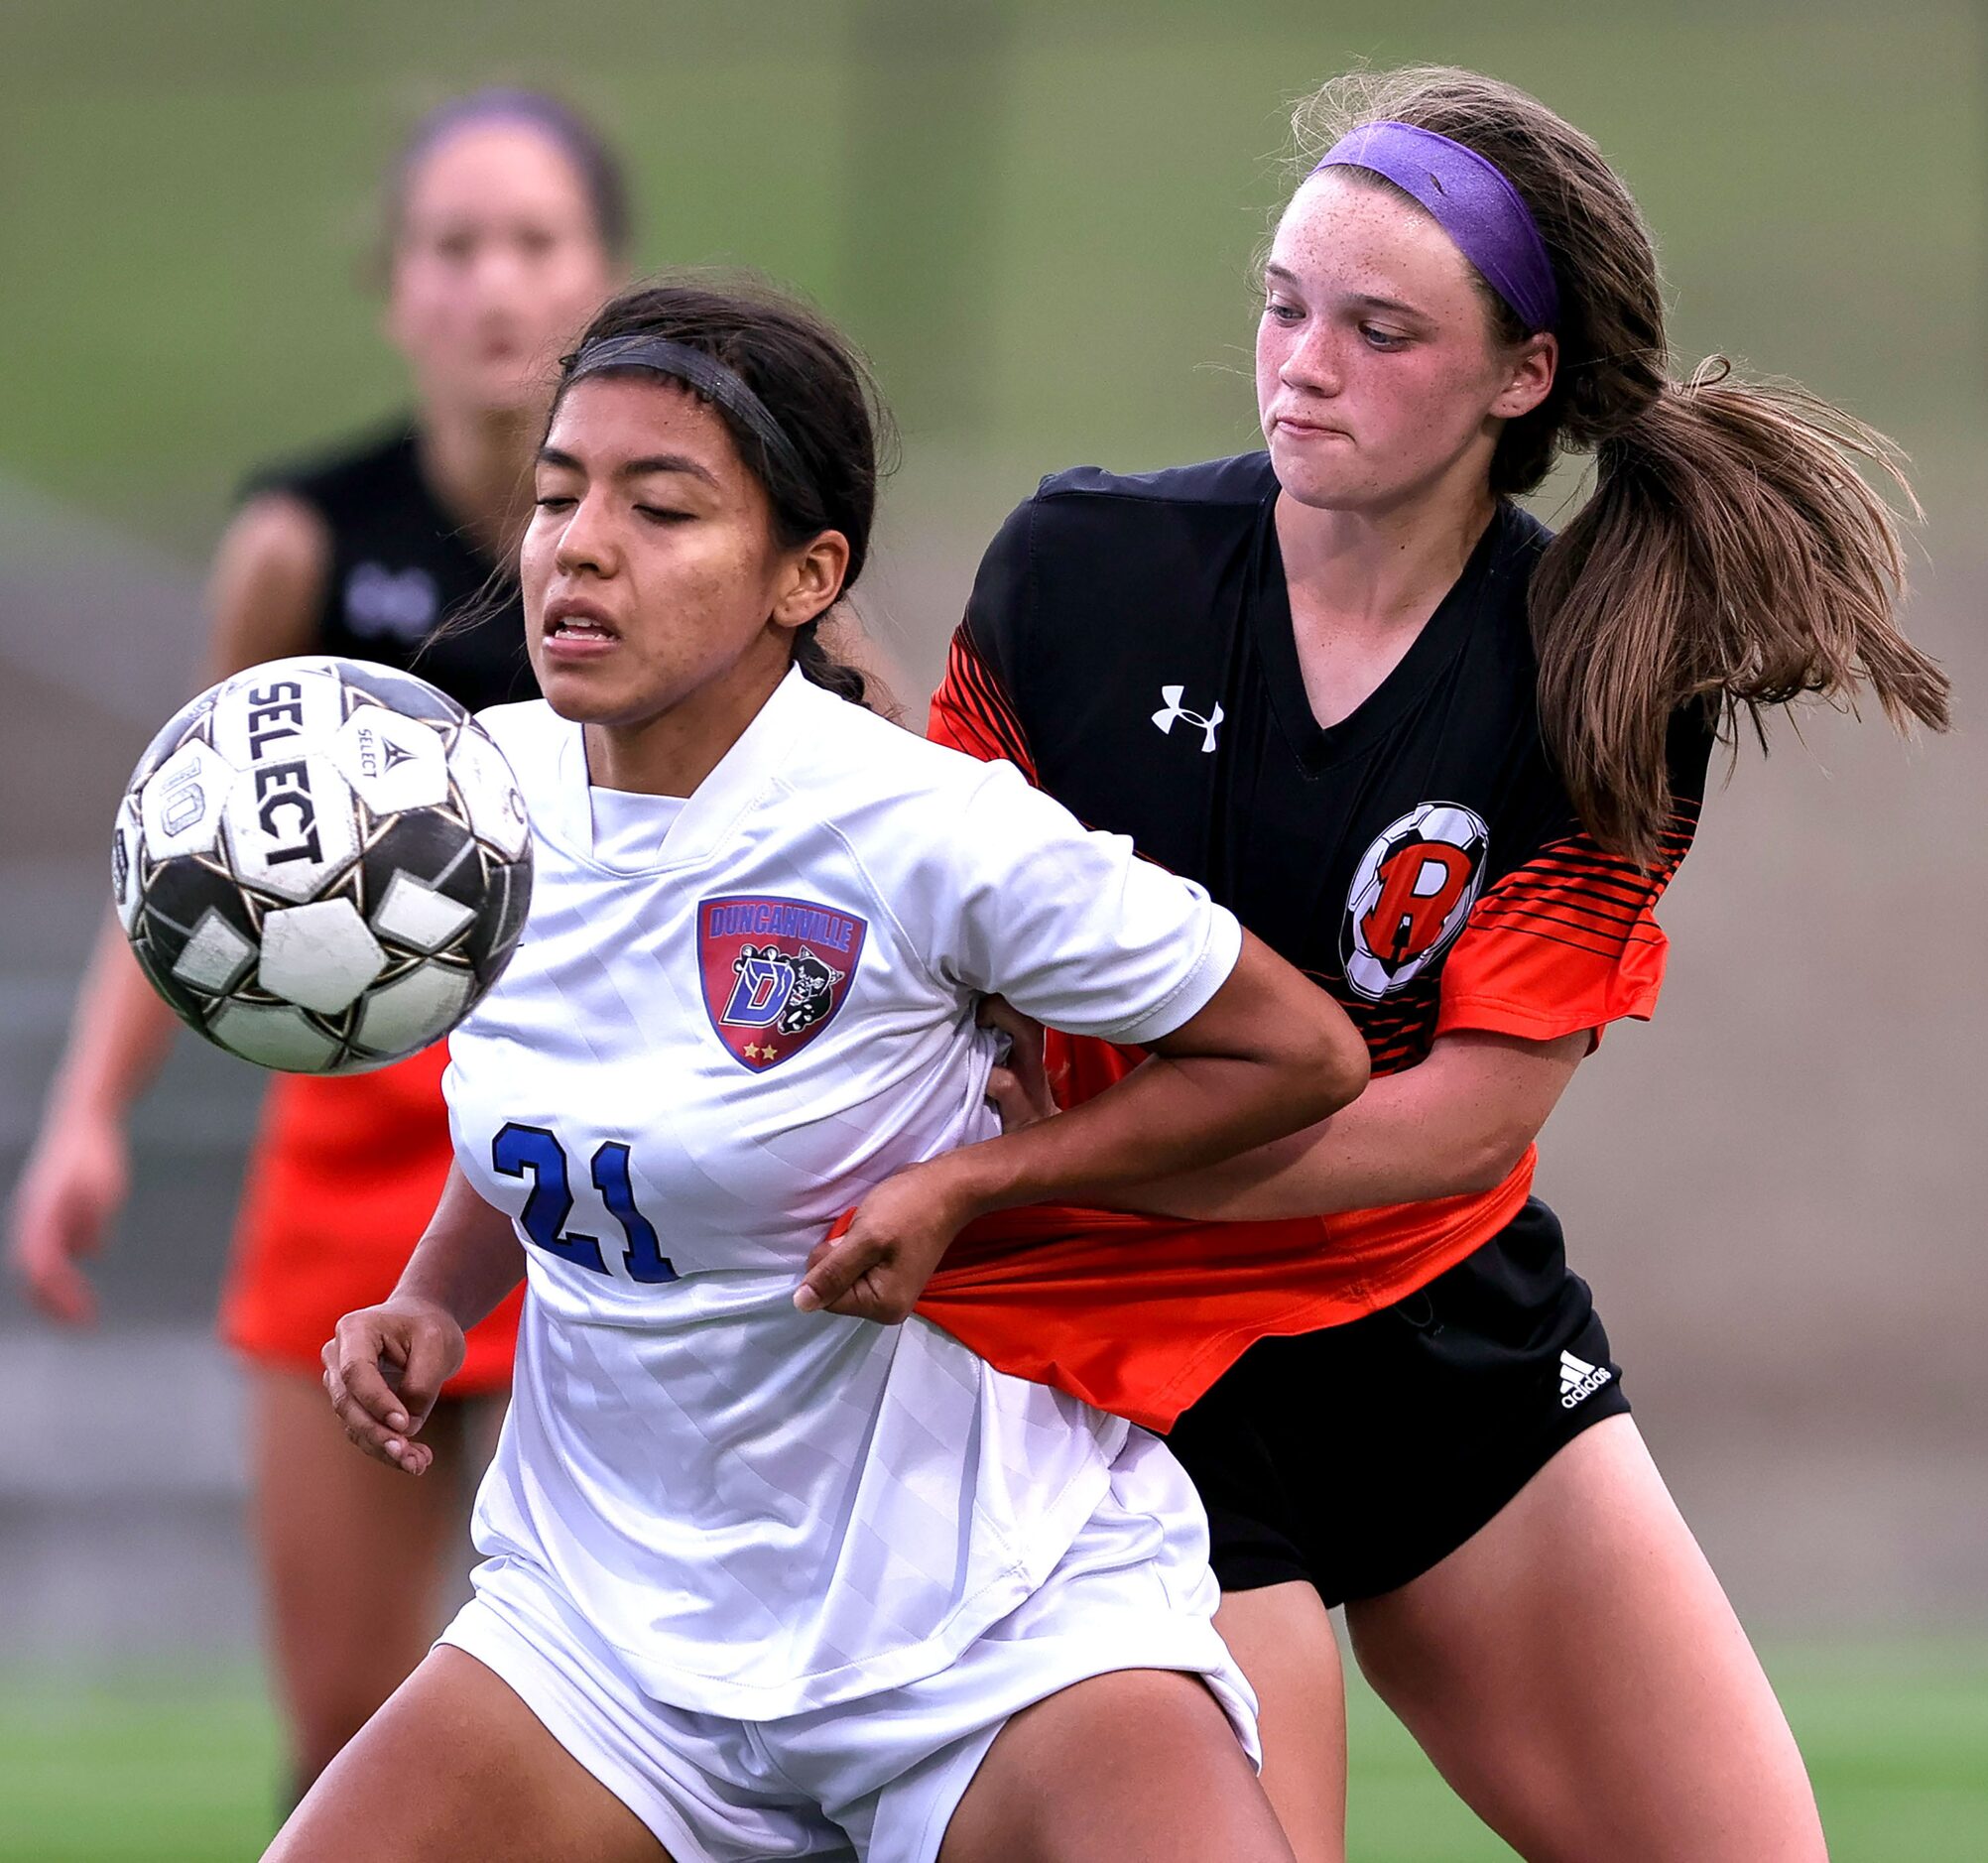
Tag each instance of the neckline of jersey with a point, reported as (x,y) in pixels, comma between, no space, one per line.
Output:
(713,808)
(1320,747)
(630,828)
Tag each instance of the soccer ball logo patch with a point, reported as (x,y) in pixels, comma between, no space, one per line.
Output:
(1413,890)
(774,971)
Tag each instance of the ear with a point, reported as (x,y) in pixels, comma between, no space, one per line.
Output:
(812,580)
(1531,378)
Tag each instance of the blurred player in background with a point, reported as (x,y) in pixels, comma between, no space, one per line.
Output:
(763,1579)
(507,219)
(1445,763)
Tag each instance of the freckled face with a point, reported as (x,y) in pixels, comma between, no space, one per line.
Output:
(650,568)
(1377,370)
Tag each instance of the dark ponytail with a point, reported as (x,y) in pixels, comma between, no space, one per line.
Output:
(1731,554)
(817,664)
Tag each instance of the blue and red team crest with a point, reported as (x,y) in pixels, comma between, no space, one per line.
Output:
(774,971)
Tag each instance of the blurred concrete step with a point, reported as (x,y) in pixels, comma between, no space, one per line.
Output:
(128,1413)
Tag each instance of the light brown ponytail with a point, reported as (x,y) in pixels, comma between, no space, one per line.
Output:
(1731,554)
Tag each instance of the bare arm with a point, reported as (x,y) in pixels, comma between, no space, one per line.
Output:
(1269,1051)
(267,578)
(387,1364)
(1457,1123)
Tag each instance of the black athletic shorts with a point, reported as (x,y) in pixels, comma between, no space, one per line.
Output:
(1358,1456)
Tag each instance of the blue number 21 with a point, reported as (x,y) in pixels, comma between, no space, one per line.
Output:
(517,1150)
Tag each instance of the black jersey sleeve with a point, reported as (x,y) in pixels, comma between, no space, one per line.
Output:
(1566,937)
(978,705)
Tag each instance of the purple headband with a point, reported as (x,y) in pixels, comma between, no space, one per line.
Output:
(1471,202)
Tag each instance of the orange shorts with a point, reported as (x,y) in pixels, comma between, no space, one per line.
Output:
(346,1174)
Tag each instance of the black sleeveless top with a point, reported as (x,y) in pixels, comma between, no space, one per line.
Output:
(401,566)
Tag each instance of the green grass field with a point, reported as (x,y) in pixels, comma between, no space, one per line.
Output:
(162,1770)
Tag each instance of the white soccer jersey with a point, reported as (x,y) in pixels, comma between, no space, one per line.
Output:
(686,1074)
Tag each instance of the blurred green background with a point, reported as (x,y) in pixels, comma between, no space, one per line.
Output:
(1039,220)
(1038,215)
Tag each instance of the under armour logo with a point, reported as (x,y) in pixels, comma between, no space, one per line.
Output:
(1175,710)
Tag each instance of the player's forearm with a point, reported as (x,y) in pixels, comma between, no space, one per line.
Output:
(469,1259)
(1266,1055)
(1457,1124)
(1193,1110)
(1386,1148)
(118,1037)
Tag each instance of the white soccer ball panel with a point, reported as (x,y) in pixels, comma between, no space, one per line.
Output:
(276,712)
(319,956)
(183,804)
(290,826)
(272,1036)
(392,763)
(127,853)
(190,720)
(413,1010)
(215,958)
(416,915)
(490,792)
(1452,823)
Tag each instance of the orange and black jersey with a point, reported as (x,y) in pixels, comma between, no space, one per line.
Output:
(1129,644)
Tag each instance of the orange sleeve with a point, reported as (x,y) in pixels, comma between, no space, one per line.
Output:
(971,712)
(1567,941)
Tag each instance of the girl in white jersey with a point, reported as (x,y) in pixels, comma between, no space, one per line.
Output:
(764,1580)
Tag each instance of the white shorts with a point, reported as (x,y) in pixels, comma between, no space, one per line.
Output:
(877,1778)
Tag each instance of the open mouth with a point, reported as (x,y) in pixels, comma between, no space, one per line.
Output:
(579,623)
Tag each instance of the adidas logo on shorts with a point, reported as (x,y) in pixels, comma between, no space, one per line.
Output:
(1579,1380)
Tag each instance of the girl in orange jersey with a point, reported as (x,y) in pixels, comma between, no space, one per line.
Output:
(1446,762)
(507,217)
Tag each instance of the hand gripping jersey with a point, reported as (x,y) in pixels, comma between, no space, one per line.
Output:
(692,1067)
(1129,645)
(345,1173)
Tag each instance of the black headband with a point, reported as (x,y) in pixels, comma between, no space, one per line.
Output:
(709,378)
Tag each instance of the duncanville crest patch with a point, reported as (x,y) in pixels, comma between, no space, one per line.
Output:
(774,971)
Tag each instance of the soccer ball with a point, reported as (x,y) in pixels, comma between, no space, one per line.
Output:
(322,864)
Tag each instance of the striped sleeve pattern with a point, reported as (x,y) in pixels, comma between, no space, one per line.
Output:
(1567,941)
(970,711)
